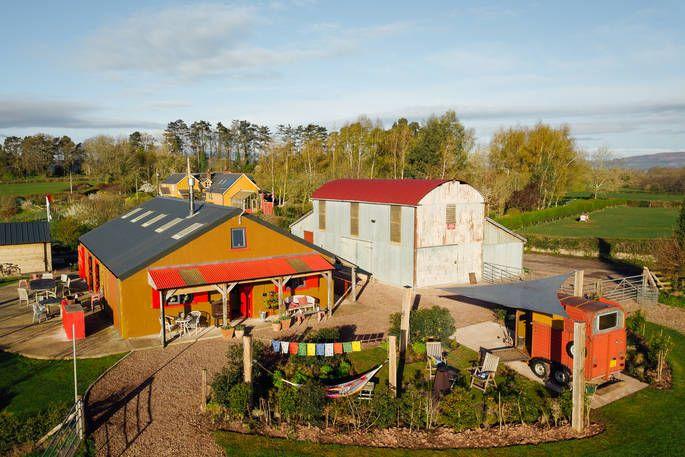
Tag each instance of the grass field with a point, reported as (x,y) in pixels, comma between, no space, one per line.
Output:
(33,188)
(29,386)
(614,222)
(630,195)
(648,423)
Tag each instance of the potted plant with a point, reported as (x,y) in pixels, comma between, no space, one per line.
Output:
(272,302)
(276,324)
(227,331)
(239,331)
(285,321)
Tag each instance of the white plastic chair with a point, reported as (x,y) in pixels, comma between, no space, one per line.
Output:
(48,275)
(24,296)
(38,312)
(434,355)
(194,322)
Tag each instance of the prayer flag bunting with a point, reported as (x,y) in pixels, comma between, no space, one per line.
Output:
(328,350)
(276,345)
(338,348)
(347,347)
(303,349)
(356,346)
(294,348)
(311,349)
(285,346)
(320,349)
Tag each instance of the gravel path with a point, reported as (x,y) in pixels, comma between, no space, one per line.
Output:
(149,404)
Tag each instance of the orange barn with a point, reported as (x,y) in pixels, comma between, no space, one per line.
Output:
(158,259)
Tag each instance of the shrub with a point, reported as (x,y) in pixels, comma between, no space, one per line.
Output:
(15,430)
(238,399)
(67,230)
(457,410)
(305,404)
(432,323)
(8,206)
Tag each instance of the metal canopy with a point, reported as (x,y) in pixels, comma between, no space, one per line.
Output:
(537,295)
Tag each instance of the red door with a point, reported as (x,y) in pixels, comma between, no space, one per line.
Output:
(246,301)
(309,236)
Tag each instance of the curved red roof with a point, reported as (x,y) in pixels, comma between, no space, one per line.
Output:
(392,191)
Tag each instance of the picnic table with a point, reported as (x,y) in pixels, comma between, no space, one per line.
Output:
(49,302)
(43,286)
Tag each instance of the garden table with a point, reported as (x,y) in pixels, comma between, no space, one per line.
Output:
(42,286)
(48,302)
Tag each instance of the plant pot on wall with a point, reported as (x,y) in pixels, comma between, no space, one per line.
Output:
(285,322)
(239,331)
(276,326)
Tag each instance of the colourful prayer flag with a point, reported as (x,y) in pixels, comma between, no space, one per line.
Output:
(294,348)
(303,349)
(338,348)
(320,348)
(328,350)
(276,345)
(347,347)
(311,349)
(356,346)
(285,347)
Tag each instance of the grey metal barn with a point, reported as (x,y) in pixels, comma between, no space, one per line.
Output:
(405,232)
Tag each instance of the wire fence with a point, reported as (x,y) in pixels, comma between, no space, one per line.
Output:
(65,439)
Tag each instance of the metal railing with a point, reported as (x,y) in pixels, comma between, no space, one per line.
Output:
(494,273)
(65,439)
(640,288)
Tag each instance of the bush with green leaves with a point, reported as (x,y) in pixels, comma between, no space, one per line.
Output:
(426,324)
(301,405)
(456,409)
(573,208)
(17,429)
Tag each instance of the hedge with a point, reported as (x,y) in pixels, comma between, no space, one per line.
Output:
(602,247)
(573,208)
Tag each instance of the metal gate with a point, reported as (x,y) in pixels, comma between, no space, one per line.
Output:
(641,288)
(65,439)
(495,274)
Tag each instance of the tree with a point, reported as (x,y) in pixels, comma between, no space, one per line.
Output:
(176,136)
(602,175)
(200,137)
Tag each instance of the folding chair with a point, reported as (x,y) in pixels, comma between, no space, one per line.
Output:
(485,374)
(367,391)
(434,356)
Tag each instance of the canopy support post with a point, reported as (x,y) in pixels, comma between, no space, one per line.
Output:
(329,290)
(354,283)
(162,300)
(578,411)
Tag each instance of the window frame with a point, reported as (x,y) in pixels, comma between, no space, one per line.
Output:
(322,214)
(244,231)
(619,321)
(396,209)
(451,207)
(354,219)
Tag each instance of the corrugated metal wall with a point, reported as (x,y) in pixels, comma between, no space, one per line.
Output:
(502,248)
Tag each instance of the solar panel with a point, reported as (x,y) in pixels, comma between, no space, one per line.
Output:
(153,220)
(131,213)
(141,216)
(187,230)
(168,225)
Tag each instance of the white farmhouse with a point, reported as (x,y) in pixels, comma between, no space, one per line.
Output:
(417,232)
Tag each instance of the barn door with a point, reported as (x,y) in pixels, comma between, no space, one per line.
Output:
(246,301)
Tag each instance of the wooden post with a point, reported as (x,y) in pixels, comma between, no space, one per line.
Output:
(404,323)
(598,289)
(80,418)
(162,317)
(354,283)
(578,413)
(279,284)
(224,305)
(392,363)
(578,283)
(329,287)
(645,280)
(247,359)
(204,389)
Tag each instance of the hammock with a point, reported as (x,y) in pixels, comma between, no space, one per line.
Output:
(352,387)
(344,389)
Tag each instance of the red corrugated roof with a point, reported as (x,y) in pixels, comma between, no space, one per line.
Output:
(240,270)
(393,191)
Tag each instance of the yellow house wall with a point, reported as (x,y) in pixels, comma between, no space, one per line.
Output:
(175,189)
(242,183)
(139,318)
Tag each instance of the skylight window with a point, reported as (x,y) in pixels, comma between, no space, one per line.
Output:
(131,213)
(191,228)
(168,225)
(158,217)
(141,216)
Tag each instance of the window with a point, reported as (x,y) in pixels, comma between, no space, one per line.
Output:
(608,321)
(354,219)
(322,215)
(396,224)
(451,216)
(238,239)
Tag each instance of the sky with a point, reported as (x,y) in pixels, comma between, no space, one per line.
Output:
(613,71)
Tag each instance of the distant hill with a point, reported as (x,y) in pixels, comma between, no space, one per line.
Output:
(645,162)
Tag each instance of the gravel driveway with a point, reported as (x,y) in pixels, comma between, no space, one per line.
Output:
(149,404)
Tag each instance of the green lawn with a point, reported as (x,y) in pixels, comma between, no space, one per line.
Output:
(614,222)
(32,188)
(648,423)
(629,195)
(29,386)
